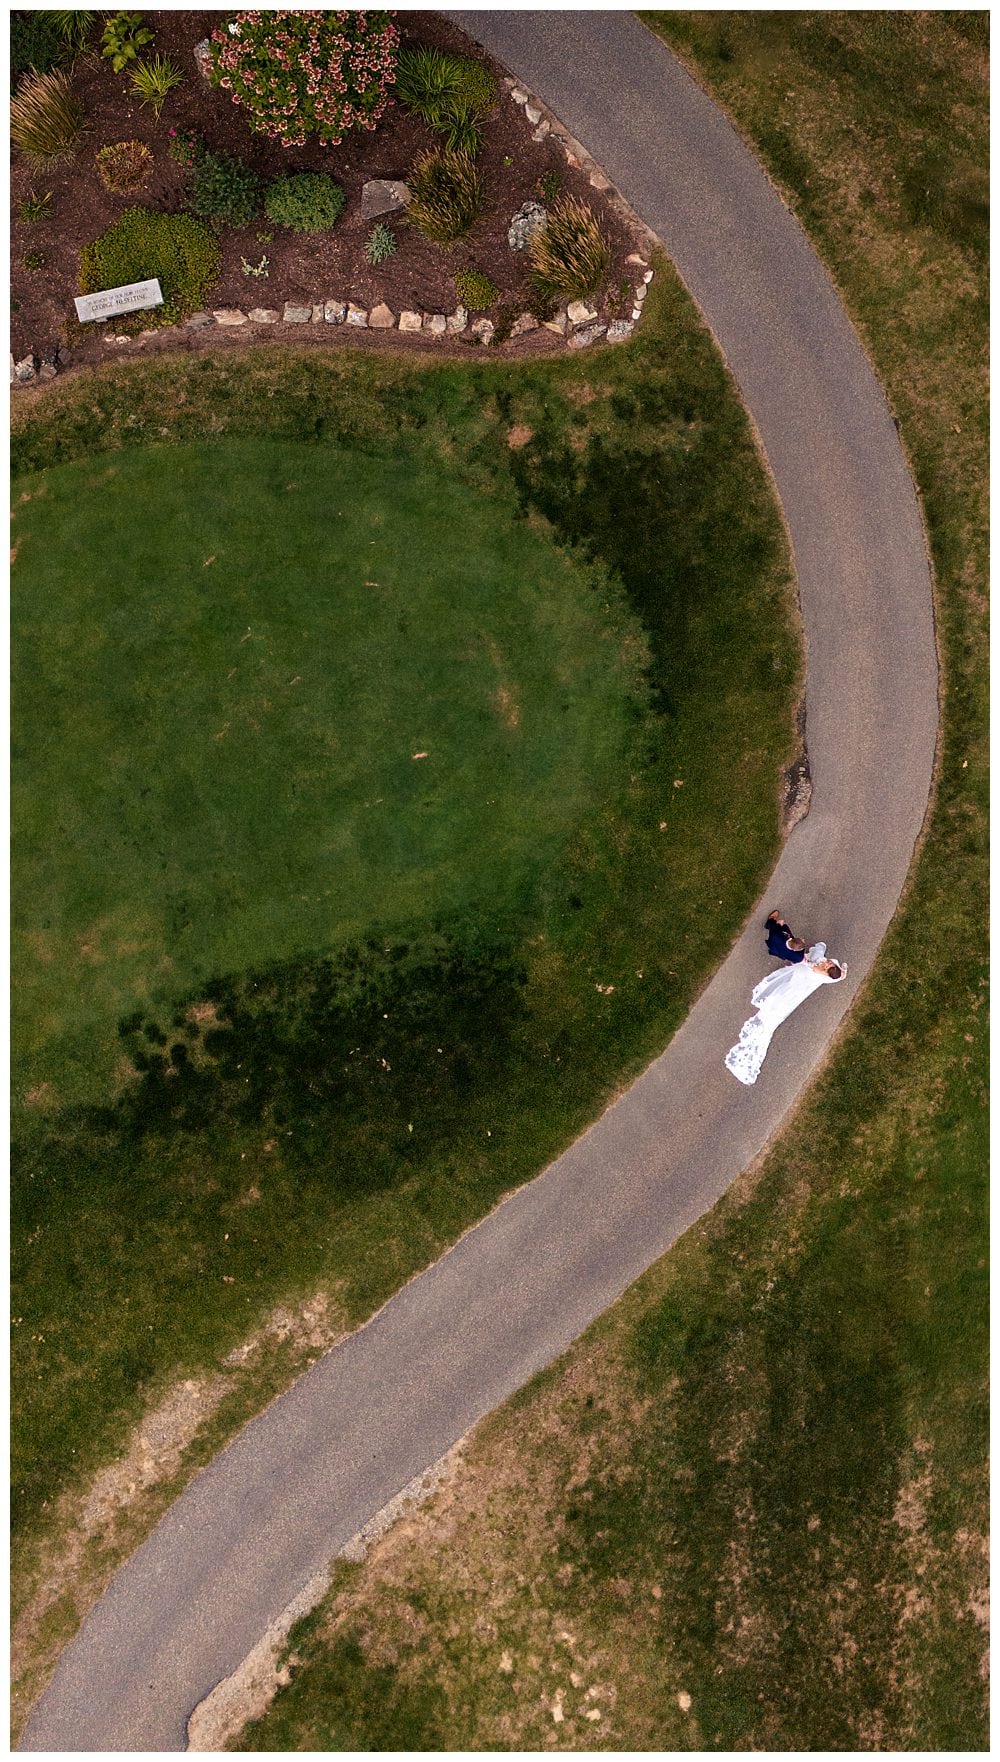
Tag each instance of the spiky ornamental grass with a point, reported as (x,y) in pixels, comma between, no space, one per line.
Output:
(451,93)
(154,80)
(447,195)
(381,243)
(570,254)
(46,118)
(429,80)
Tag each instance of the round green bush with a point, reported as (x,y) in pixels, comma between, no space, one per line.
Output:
(306,201)
(35,44)
(475,290)
(182,253)
(224,189)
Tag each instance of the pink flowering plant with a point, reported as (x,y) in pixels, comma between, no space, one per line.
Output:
(307,73)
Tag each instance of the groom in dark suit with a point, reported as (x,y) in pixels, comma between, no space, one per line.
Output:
(781,944)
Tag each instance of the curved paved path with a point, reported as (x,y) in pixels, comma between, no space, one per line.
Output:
(301,1479)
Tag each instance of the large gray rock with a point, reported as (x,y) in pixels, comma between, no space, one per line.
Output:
(198,320)
(25,370)
(203,58)
(410,320)
(383,195)
(582,339)
(228,315)
(334,311)
(297,314)
(357,315)
(382,317)
(526,222)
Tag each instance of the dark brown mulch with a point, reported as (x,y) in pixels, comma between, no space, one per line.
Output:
(301,267)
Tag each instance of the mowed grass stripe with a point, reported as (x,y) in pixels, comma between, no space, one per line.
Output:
(268,700)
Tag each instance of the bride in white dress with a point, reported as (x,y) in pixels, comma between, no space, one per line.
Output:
(774,999)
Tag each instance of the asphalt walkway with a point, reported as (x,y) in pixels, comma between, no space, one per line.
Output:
(300,1480)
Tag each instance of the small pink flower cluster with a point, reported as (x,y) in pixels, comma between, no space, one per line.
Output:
(305,73)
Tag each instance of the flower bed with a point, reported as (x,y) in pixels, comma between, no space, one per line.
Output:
(299,267)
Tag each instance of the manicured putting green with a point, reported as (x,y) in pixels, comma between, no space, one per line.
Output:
(268,698)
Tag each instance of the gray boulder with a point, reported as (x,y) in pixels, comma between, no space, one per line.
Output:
(383,195)
(526,222)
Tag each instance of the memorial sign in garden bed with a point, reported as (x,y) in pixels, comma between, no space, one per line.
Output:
(137,296)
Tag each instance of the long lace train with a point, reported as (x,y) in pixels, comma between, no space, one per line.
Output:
(746,1057)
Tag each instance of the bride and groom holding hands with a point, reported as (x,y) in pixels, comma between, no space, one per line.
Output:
(803,971)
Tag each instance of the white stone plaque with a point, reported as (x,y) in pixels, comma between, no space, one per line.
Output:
(138,296)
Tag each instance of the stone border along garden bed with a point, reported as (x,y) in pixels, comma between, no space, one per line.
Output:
(577,323)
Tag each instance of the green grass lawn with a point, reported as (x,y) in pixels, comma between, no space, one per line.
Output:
(748,1510)
(302,1107)
(226,659)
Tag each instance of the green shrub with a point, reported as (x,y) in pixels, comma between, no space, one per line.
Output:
(570,254)
(34,259)
(36,44)
(153,80)
(381,243)
(182,253)
(447,194)
(477,85)
(306,201)
(124,166)
(45,118)
(224,189)
(124,35)
(475,290)
(34,208)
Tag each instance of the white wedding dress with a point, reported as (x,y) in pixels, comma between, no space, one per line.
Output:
(774,999)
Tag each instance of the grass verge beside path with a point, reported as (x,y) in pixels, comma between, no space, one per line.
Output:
(262,1151)
(748,1509)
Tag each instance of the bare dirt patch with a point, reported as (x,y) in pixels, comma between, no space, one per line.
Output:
(98,1524)
(505,702)
(519,435)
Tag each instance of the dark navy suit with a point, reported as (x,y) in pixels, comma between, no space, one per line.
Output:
(777,942)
